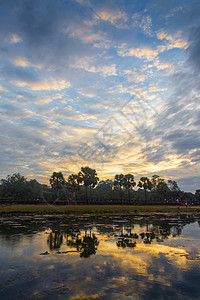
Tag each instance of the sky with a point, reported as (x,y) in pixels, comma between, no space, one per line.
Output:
(113,85)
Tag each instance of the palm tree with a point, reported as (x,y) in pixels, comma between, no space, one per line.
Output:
(155,181)
(89,178)
(146,184)
(129,182)
(119,181)
(74,181)
(94,179)
(57,181)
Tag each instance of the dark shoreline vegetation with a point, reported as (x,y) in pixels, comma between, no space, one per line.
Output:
(85,187)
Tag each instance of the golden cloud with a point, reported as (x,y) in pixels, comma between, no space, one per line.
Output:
(174,42)
(111,16)
(14,38)
(23,62)
(145,53)
(45,85)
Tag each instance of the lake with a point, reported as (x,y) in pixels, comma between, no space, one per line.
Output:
(122,257)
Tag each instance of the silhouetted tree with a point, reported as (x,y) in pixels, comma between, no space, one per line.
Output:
(104,186)
(162,188)
(74,183)
(94,180)
(146,184)
(74,180)
(197,195)
(118,182)
(14,186)
(34,189)
(57,181)
(173,186)
(89,178)
(155,181)
(159,187)
(129,183)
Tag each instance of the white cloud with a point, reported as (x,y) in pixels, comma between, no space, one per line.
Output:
(154,88)
(111,16)
(166,66)
(106,70)
(146,24)
(23,62)
(45,85)
(136,75)
(88,92)
(143,53)
(173,42)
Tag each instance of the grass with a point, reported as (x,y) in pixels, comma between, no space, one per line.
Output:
(95,209)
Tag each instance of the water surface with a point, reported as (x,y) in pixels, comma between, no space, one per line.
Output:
(112,257)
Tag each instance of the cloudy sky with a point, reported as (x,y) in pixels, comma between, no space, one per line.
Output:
(110,84)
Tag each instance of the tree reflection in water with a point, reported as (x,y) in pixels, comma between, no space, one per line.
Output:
(55,240)
(119,271)
(125,242)
(89,245)
(155,233)
(86,244)
(152,230)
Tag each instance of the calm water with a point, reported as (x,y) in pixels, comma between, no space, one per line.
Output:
(120,257)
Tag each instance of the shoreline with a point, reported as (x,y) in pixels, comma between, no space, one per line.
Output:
(94,209)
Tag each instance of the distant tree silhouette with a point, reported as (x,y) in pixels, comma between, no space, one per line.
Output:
(94,180)
(73,180)
(89,178)
(146,184)
(74,183)
(14,186)
(119,182)
(197,195)
(155,180)
(162,189)
(159,186)
(57,181)
(128,183)
(173,186)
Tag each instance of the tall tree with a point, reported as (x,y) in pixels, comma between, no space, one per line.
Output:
(119,182)
(162,189)
(14,186)
(94,180)
(73,180)
(146,184)
(197,195)
(57,181)
(159,187)
(89,178)
(173,186)
(104,185)
(129,183)
(155,180)
(34,189)
(74,183)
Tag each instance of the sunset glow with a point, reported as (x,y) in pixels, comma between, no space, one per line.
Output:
(113,85)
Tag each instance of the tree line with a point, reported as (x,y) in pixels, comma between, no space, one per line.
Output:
(86,187)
